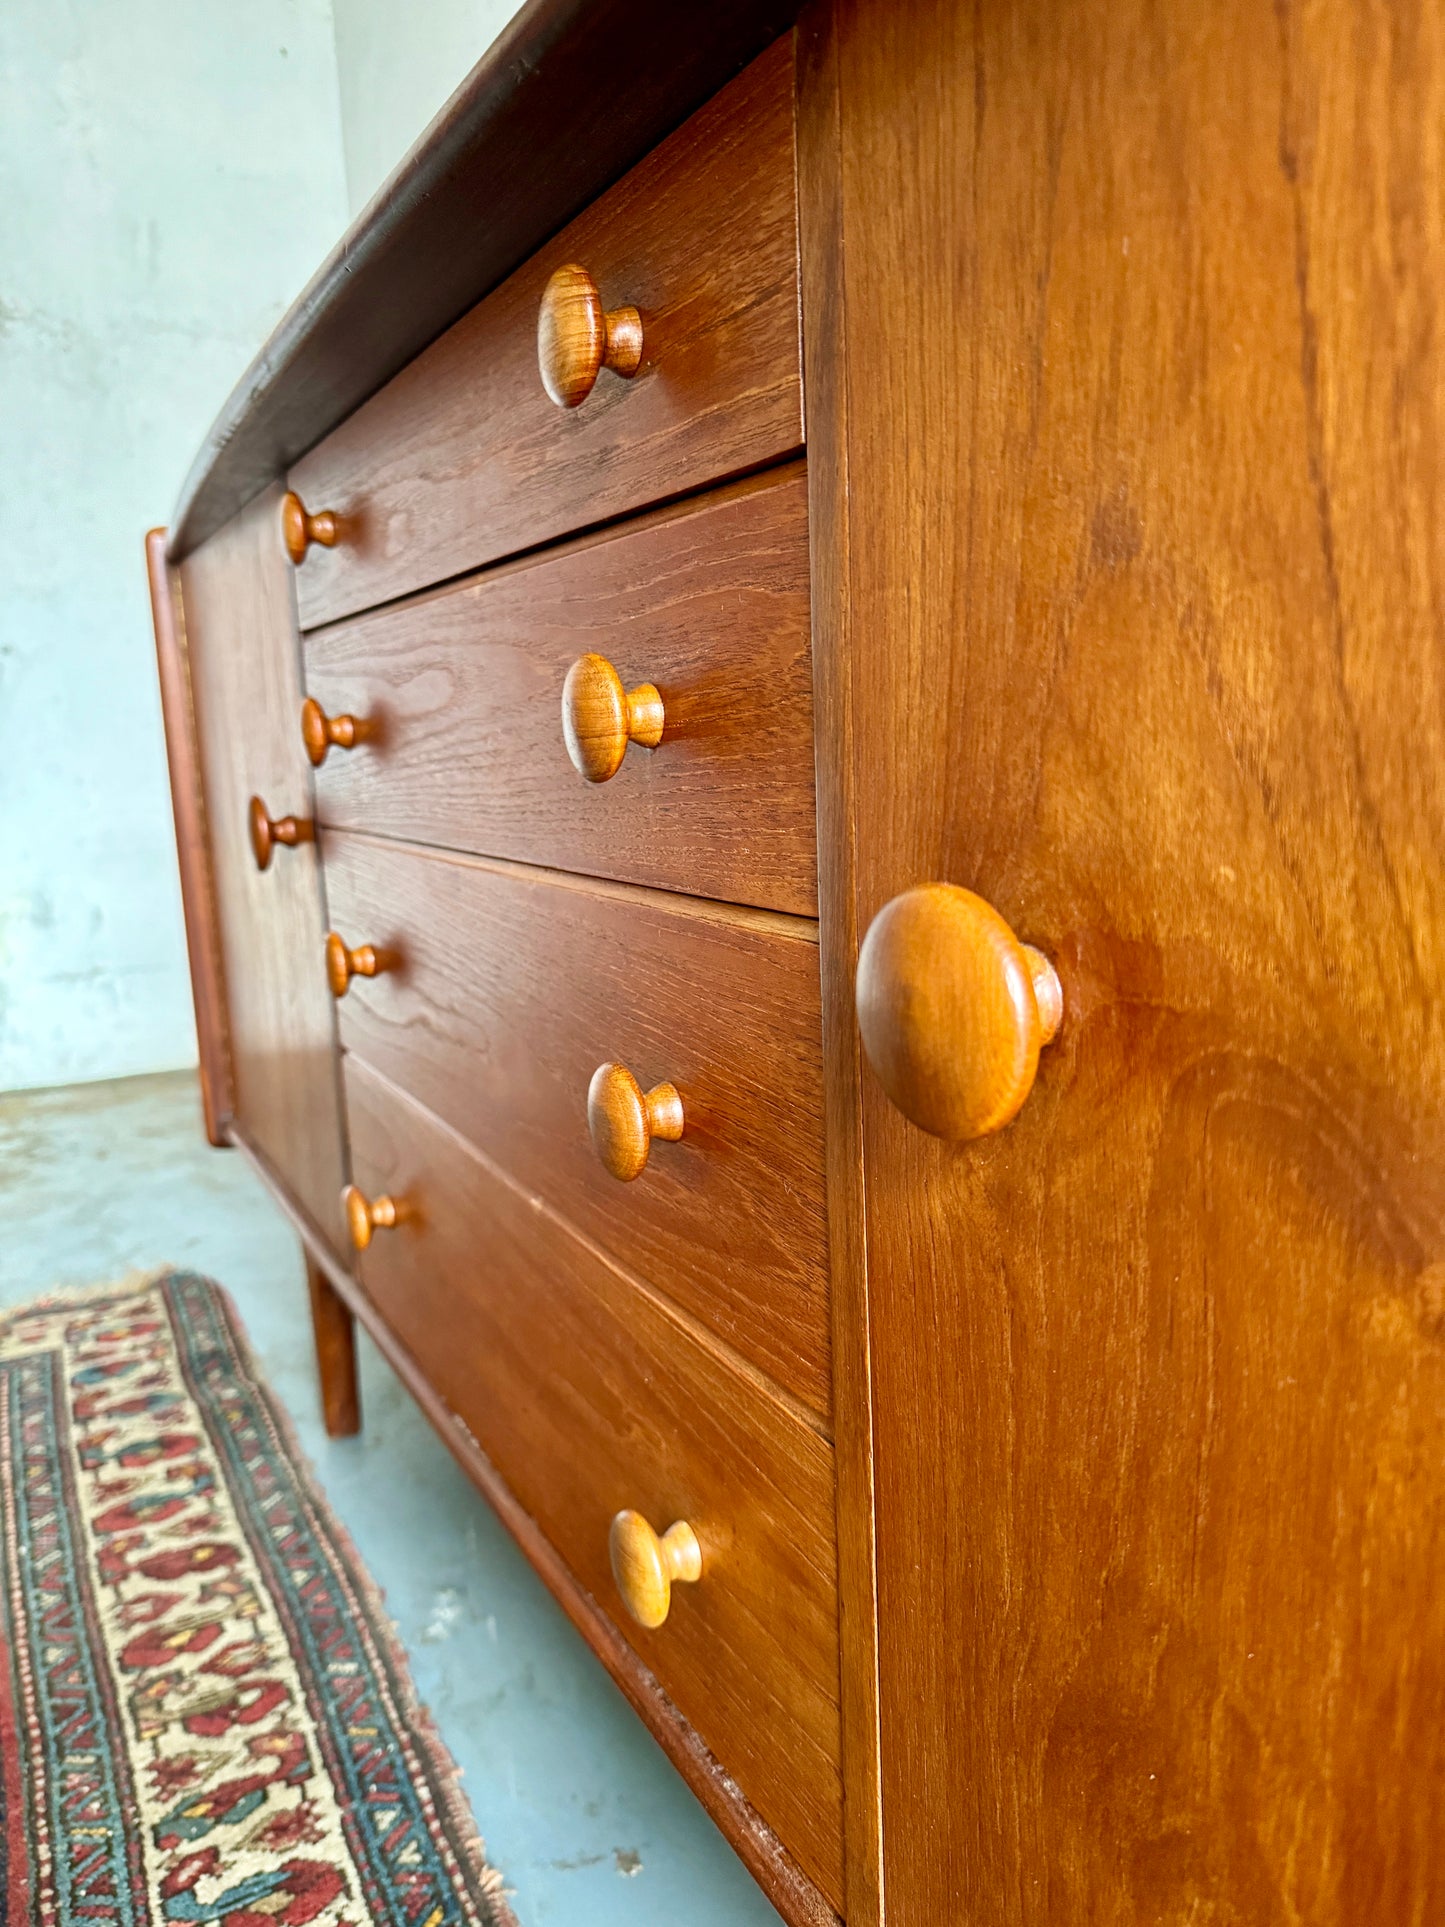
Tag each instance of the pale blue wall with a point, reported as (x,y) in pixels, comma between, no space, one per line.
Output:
(170,175)
(397,64)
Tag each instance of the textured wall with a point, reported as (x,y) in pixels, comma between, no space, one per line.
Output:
(397,63)
(170,174)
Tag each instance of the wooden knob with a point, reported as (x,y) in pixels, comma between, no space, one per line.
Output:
(577,338)
(600,718)
(299,530)
(624,1120)
(343,964)
(646,1567)
(319,731)
(953,1010)
(268,831)
(365,1215)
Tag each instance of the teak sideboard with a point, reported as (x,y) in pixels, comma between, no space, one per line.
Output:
(805,705)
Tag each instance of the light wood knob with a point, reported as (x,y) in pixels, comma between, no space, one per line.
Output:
(600,718)
(577,338)
(624,1120)
(320,731)
(267,831)
(647,1567)
(299,530)
(365,1215)
(953,1010)
(343,964)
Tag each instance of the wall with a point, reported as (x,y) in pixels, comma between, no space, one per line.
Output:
(397,64)
(170,175)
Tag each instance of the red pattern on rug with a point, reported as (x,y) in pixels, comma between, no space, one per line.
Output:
(205,1720)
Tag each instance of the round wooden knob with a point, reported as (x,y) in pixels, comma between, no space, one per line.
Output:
(299,530)
(268,831)
(365,1215)
(577,338)
(624,1120)
(600,718)
(320,731)
(953,1010)
(647,1567)
(343,964)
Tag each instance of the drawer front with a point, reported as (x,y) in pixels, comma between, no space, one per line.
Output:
(245,679)
(588,1398)
(462,458)
(463,692)
(512,987)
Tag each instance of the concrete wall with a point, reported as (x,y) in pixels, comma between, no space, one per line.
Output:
(170,175)
(397,63)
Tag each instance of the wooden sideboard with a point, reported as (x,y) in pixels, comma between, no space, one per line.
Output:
(805,702)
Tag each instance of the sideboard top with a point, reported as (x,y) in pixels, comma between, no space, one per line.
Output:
(566,100)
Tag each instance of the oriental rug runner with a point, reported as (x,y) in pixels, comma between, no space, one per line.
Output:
(204,1716)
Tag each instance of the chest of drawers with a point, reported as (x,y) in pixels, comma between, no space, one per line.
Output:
(803,697)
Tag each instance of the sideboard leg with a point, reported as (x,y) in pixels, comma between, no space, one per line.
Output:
(335,1334)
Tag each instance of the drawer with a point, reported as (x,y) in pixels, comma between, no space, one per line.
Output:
(589,1397)
(462,457)
(462,690)
(510,988)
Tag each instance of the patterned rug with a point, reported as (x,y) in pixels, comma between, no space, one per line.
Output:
(204,1715)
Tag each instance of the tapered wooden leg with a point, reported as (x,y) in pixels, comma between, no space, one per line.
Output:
(335,1333)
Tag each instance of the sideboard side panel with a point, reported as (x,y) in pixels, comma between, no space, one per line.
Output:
(198,889)
(1143,356)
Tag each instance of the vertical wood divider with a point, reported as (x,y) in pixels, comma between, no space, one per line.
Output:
(825,402)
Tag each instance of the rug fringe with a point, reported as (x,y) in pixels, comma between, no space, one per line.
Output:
(63,1296)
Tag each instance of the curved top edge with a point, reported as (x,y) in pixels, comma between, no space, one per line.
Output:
(570,95)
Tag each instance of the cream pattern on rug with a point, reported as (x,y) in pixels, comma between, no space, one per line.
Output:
(204,1716)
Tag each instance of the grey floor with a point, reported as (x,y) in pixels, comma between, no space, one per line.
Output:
(588,1823)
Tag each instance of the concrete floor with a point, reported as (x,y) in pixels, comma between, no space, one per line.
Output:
(586,1820)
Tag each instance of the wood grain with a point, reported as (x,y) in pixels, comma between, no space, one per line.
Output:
(1158,1375)
(463,689)
(188,805)
(463,458)
(756,1844)
(569,95)
(588,1398)
(245,680)
(333,1330)
(511,988)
